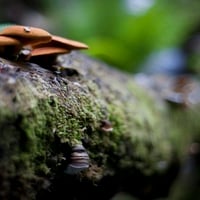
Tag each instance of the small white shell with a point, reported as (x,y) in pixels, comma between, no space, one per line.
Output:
(27,29)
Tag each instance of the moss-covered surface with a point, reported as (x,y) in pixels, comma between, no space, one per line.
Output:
(44,113)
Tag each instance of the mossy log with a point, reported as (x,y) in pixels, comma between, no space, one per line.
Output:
(46,110)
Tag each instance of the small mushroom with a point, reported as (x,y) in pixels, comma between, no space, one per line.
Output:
(8,41)
(67,43)
(26,35)
(34,44)
(48,50)
(58,45)
(79,160)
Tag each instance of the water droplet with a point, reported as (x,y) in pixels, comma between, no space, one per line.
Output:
(27,29)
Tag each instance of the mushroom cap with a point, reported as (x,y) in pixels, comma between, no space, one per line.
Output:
(57,41)
(57,45)
(26,35)
(48,51)
(69,44)
(8,41)
(40,41)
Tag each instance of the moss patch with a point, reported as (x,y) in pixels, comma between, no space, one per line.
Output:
(49,113)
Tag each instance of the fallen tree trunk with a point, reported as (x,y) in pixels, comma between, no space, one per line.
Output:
(134,141)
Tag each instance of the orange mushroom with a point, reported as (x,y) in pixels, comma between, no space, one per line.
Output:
(26,35)
(48,50)
(27,42)
(58,45)
(8,41)
(67,43)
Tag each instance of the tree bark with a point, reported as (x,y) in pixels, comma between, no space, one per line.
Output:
(135,141)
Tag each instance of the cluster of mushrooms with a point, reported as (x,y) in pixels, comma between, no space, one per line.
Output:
(27,42)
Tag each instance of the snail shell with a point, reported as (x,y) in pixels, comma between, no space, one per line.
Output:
(79,160)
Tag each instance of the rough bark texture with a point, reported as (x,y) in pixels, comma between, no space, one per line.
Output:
(44,113)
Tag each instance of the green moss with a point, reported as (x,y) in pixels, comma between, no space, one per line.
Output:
(49,118)
(75,117)
(136,132)
(48,114)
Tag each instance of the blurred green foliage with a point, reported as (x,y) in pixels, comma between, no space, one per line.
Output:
(114,30)
(121,37)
